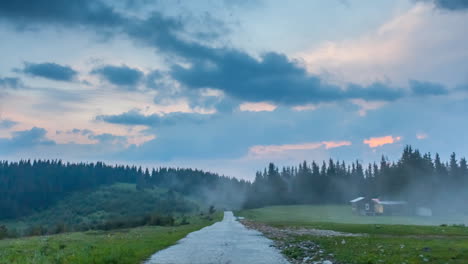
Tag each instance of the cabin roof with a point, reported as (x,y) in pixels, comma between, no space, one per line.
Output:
(357,200)
(389,202)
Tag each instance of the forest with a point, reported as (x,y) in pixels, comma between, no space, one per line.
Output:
(28,187)
(419,179)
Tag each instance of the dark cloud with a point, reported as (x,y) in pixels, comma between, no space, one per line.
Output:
(6,123)
(50,71)
(24,139)
(273,78)
(120,75)
(452,4)
(10,83)
(26,13)
(427,88)
(157,80)
(135,117)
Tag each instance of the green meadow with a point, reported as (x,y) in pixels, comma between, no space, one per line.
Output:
(385,239)
(119,246)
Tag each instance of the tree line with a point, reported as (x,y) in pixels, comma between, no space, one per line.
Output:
(29,186)
(420,179)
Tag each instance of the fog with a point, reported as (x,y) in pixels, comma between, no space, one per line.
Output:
(433,191)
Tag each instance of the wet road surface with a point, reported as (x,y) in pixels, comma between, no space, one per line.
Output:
(225,242)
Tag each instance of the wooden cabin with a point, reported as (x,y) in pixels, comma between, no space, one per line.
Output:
(367,206)
(390,207)
(362,206)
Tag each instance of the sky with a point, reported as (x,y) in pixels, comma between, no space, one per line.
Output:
(230,85)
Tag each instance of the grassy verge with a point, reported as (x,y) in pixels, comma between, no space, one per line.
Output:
(117,246)
(377,249)
(382,243)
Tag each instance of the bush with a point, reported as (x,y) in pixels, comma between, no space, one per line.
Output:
(212,209)
(59,228)
(158,220)
(38,230)
(184,221)
(3,232)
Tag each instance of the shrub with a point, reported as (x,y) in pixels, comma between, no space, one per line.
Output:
(38,230)
(212,209)
(3,232)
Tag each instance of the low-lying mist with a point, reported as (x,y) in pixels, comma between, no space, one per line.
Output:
(432,191)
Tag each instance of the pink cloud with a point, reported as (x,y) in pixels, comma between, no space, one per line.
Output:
(421,136)
(380,141)
(257,107)
(336,144)
(268,149)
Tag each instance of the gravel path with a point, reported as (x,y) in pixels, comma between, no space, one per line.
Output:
(225,242)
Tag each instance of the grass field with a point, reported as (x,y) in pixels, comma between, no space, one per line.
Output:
(117,246)
(385,242)
(343,214)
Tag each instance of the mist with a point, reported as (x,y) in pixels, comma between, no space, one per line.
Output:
(432,191)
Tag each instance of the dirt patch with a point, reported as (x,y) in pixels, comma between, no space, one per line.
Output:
(299,251)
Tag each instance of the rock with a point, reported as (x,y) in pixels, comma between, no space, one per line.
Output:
(327,262)
(426,249)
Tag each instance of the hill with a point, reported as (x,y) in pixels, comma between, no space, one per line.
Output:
(106,207)
(28,187)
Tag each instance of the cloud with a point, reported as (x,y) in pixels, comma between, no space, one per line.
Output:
(89,137)
(273,78)
(135,117)
(231,135)
(260,150)
(83,132)
(422,136)
(6,123)
(257,107)
(427,88)
(107,138)
(25,13)
(366,106)
(374,142)
(76,131)
(24,139)
(10,83)
(307,107)
(452,5)
(398,50)
(120,75)
(336,144)
(50,71)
